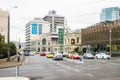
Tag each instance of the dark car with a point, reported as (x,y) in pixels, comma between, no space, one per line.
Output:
(88,56)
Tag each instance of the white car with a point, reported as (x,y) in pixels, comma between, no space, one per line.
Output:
(102,56)
(32,53)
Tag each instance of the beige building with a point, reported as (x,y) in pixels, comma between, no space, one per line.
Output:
(44,42)
(67,40)
(4,23)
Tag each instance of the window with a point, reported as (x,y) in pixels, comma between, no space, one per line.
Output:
(38,43)
(77,39)
(44,42)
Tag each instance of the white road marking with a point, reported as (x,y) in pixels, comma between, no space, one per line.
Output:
(89,74)
(76,70)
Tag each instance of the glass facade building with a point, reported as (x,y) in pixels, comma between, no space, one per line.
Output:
(110,14)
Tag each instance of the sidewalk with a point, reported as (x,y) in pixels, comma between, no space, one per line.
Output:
(12,63)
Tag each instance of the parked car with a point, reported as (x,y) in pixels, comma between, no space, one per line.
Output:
(65,54)
(58,56)
(102,56)
(26,53)
(50,55)
(88,56)
(32,53)
(75,56)
(42,54)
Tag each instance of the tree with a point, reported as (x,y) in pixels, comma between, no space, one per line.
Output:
(84,50)
(76,49)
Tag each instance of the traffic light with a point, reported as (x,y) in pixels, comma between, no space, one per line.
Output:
(72,41)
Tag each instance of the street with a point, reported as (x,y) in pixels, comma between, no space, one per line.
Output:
(41,68)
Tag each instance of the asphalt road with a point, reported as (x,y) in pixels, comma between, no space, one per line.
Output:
(42,68)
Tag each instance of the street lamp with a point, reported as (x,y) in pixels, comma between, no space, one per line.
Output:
(9,31)
(110,40)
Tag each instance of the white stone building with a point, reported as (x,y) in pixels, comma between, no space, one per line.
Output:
(34,29)
(4,24)
(67,40)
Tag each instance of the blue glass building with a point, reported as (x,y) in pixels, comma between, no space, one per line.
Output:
(110,14)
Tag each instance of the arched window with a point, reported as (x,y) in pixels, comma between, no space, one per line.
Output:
(44,42)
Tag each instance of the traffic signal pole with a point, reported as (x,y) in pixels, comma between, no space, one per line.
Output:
(72,51)
(72,43)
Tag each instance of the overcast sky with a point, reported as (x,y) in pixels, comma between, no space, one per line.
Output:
(78,13)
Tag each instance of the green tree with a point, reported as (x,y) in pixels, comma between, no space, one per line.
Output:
(3,47)
(84,50)
(76,49)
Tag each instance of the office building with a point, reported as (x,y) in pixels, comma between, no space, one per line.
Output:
(110,14)
(34,29)
(56,21)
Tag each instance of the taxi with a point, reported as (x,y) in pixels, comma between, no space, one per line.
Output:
(50,55)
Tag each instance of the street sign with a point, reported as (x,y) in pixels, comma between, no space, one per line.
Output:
(34,28)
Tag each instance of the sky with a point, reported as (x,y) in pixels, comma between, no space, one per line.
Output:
(78,13)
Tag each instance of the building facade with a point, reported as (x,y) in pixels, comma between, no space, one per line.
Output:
(98,36)
(56,21)
(67,40)
(4,24)
(34,29)
(50,31)
(110,14)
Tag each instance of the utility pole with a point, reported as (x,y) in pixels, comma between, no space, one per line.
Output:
(9,32)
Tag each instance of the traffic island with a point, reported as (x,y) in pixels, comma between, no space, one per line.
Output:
(10,64)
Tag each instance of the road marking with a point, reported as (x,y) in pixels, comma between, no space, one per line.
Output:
(89,74)
(76,70)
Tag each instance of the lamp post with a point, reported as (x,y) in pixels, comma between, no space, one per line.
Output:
(9,31)
(110,40)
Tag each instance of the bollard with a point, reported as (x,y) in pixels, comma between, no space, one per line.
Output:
(81,59)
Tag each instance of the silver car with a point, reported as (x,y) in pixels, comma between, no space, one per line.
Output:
(58,56)
(88,56)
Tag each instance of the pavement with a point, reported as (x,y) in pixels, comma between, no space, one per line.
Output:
(12,63)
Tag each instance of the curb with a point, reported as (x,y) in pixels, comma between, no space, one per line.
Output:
(5,59)
(12,63)
(14,78)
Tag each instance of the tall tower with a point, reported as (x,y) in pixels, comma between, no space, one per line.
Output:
(56,21)
(110,14)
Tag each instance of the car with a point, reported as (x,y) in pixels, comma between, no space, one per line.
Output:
(42,54)
(26,53)
(50,55)
(65,54)
(31,53)
(88,56)
(102,56)
(74,56)
(58,56)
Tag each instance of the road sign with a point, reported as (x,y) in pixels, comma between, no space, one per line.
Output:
(34,28)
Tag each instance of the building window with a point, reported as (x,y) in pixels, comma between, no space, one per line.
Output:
(77,39)
(49,49)
(38,49)
(38,43)
(48,43)
(44,42)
